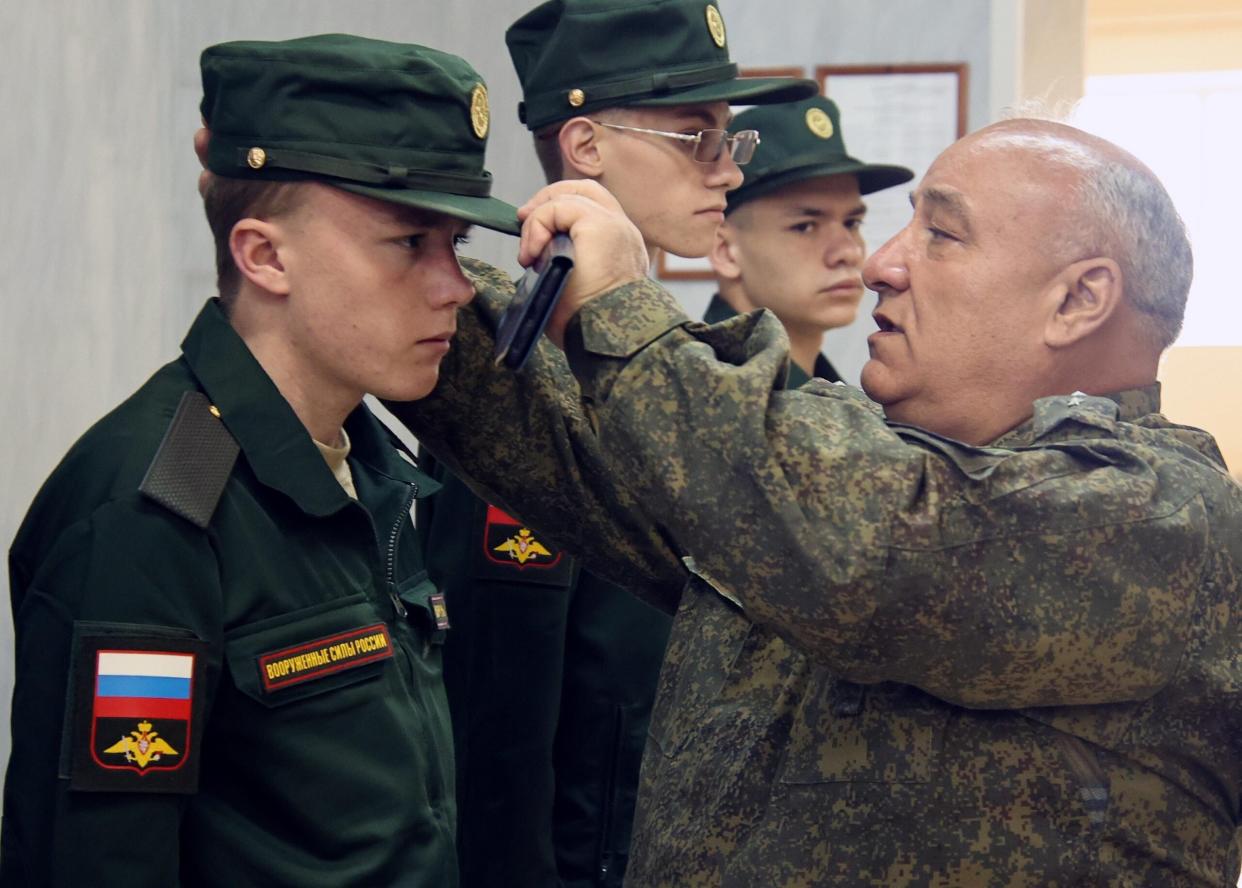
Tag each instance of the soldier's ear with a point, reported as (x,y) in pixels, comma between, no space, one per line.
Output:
(581,158)
(255,245)
(724,253)
(1084,297)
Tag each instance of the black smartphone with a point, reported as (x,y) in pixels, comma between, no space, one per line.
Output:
(536,295)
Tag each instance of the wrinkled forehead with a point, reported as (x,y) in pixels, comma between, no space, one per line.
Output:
(1005,176)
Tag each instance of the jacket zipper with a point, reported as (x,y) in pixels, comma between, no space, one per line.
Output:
(390,575)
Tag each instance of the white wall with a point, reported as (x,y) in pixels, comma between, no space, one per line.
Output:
(104,254)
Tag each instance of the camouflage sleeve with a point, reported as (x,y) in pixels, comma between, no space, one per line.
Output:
(1056,574)
(524,442)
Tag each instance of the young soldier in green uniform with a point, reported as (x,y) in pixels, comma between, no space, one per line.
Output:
(551,671)
(792,237)
(228,650)
(976,631)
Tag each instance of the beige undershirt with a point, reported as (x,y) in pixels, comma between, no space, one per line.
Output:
(335,457)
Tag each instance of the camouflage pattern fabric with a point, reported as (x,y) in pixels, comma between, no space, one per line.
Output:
(899,660)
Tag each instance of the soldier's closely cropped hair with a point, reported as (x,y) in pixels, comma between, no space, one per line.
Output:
(226,202)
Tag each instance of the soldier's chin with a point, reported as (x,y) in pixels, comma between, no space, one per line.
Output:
(410,390)
(690,245)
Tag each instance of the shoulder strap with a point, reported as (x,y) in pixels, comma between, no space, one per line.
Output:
(193,462)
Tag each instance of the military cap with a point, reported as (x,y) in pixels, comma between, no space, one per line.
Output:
(393,121)
(578,56)
(799,141)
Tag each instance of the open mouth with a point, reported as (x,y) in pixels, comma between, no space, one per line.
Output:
(885,325)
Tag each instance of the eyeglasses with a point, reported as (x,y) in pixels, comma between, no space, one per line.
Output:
(709,144)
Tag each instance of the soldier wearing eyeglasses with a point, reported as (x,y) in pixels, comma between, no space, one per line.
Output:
(550,670)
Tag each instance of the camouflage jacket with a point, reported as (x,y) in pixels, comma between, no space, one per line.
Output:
(897,660)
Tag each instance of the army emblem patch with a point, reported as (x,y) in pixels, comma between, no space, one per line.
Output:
(819,123)
(135,724)
(480,116)
(715,26)
(506,541)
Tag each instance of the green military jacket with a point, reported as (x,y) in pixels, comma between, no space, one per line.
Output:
(718,310)
(898,660)
(312,743)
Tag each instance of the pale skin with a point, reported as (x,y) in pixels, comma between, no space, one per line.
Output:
(676,202)
(346,295)
(797,252)
(977,317)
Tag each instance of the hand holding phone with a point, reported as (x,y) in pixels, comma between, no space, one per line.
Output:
(536,295)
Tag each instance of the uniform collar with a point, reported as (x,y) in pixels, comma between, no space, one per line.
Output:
(1127,405)
(276,445)
(718,310)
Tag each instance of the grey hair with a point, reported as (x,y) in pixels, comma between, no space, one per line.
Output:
(1129,210)
(1126,214)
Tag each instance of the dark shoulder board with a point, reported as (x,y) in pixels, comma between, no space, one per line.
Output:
(193,462)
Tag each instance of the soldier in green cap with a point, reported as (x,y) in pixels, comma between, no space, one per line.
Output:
(551,670)
(792,238)
(228,666)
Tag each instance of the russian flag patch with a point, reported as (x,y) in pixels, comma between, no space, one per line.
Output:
(136,727)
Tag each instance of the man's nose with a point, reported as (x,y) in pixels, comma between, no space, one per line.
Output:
(886,269)
(844,247)
(725,172)
(449,285)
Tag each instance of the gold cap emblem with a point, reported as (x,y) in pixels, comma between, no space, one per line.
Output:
(715,26)
(479,114)
(818,122)
(256,157)
(576,98)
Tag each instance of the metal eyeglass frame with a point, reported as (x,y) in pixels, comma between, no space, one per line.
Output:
(743,142)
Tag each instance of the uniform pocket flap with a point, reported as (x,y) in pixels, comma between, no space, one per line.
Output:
(309,651)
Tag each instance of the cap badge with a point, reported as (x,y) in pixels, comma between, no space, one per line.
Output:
(715,26)
(818,122)
(479,114)
(255,158)
(576,98)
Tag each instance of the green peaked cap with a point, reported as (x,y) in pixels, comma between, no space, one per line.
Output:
(799,141)
(578,56)
(397,122)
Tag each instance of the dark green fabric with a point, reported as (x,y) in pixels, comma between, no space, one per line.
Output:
(550,676)
(344,780)
(718,310)
(393,121)
(622,52)
(796,145)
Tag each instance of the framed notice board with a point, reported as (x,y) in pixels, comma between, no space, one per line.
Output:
(903,114)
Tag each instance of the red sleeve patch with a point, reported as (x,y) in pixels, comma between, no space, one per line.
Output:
(324,656)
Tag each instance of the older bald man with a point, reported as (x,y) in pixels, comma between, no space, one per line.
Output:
(978,627)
